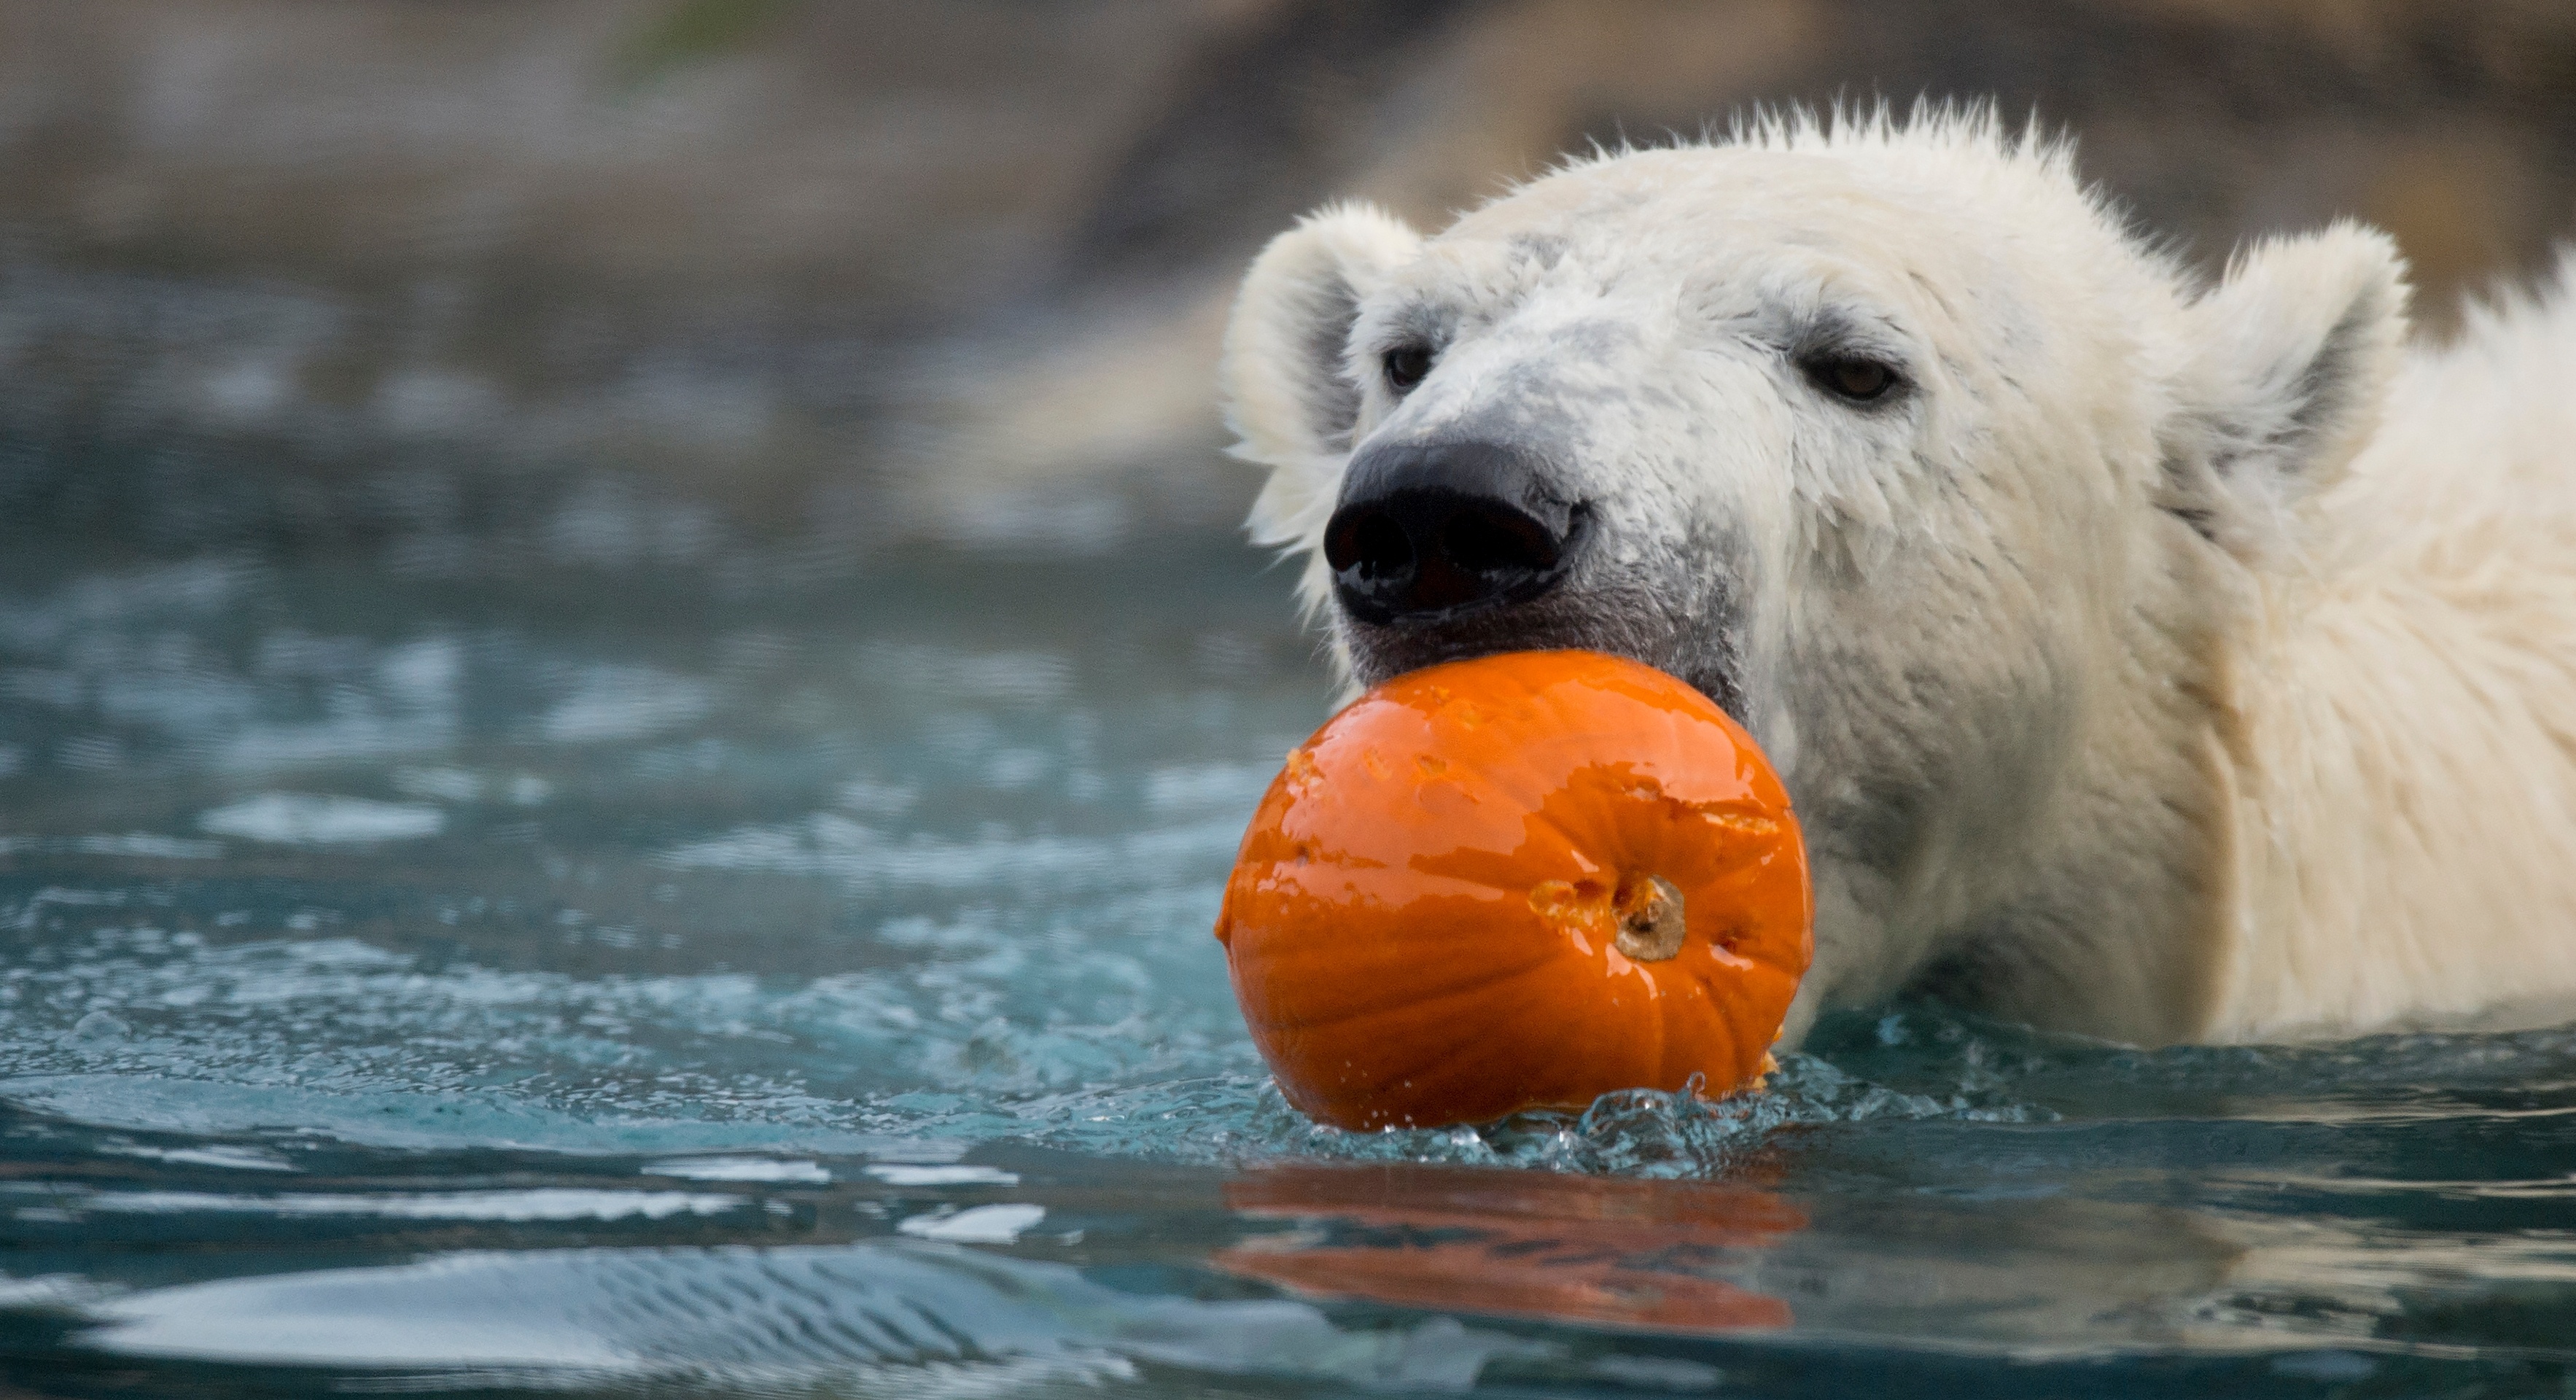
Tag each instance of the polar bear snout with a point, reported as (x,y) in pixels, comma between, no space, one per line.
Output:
(1432,532)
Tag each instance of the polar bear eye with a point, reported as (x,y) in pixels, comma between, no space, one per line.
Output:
(1852,377)
(1406,365)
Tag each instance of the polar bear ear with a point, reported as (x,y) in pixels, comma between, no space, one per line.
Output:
(1288,392)
(2294,352)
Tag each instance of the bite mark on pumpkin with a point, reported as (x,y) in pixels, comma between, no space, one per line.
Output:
(1302,768)
(1642,914)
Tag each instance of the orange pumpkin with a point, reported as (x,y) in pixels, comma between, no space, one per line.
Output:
(1517,882)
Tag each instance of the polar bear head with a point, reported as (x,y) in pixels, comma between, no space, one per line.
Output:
(1887,436)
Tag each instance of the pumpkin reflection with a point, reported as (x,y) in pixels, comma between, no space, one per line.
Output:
(1604,1251)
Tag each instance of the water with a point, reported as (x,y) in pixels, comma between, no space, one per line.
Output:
(732,969)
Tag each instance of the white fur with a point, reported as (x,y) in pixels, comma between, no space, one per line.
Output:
(1271,380)
(2167,663)
(2403,738)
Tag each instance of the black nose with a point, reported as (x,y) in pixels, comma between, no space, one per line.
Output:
(1428,532)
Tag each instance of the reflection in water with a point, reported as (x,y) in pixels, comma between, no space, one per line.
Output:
(1610,1251)
(881,1318)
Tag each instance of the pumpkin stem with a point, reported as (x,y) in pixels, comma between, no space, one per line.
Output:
(1650,917)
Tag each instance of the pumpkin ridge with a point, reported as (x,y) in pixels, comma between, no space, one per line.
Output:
(1447,1056)
(1538,816)
(1414,1004)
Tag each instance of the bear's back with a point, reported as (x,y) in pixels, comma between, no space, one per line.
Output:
(2406,752)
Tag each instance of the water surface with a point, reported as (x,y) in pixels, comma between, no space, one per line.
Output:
(688,968)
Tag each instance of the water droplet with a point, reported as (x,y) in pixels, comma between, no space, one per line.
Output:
(100,1024)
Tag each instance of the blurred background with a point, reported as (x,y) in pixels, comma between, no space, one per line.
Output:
(631,281)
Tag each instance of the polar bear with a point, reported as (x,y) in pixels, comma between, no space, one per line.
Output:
(2146,659)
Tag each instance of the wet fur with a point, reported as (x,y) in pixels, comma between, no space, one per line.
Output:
(2167,662)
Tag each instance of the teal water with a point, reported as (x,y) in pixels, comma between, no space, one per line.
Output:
(731,970)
